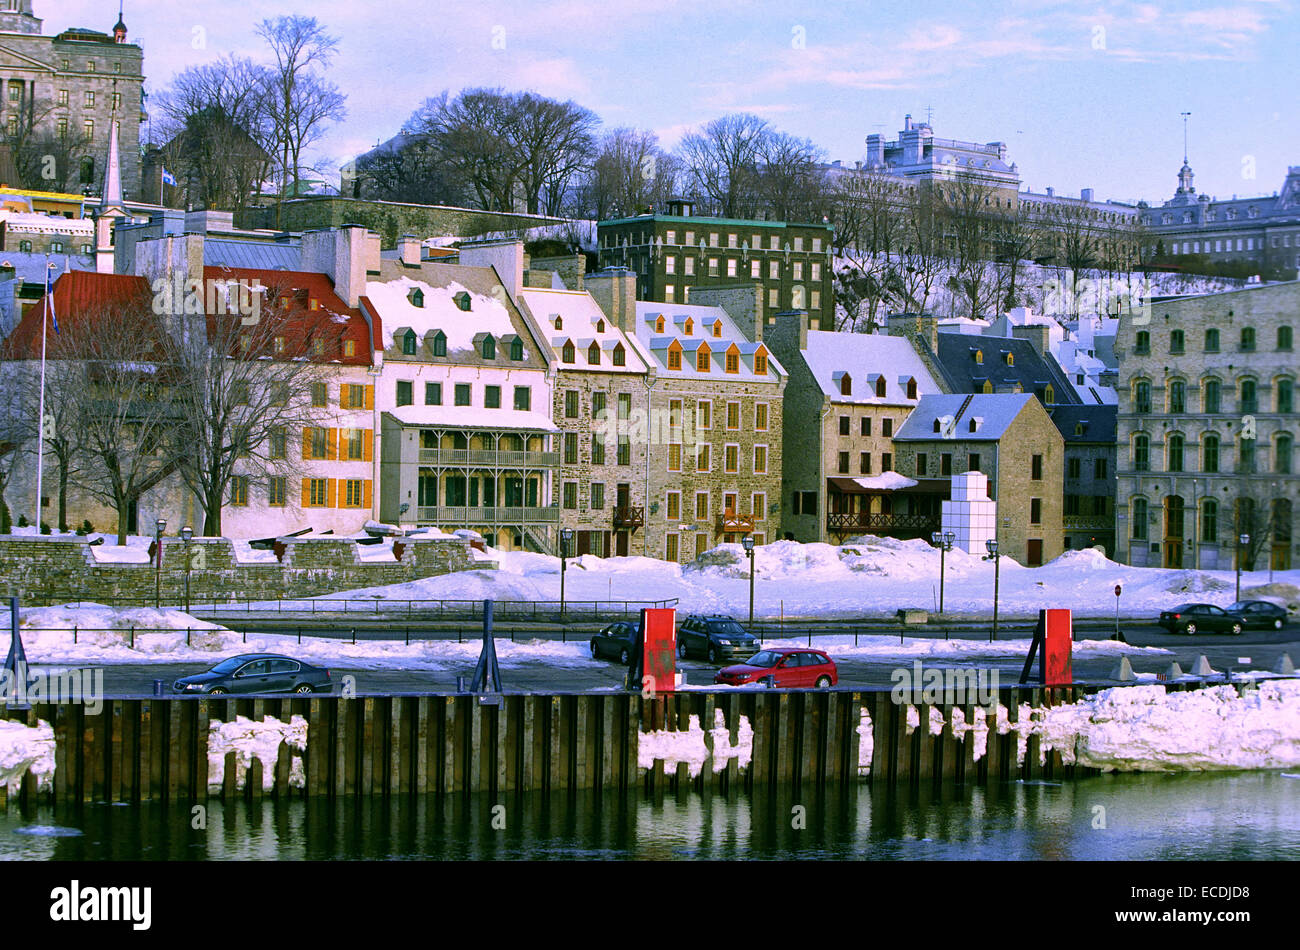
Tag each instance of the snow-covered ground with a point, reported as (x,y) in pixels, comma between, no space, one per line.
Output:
(863,578)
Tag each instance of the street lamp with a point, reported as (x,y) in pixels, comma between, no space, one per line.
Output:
(943,541)
(187,535)
(747,542)
(992,545)
(157,576)
(1242,543)
(566,536)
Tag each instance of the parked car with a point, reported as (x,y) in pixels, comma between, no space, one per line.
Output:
(1260,613)
(256,673)
(616,642)
(1201,618)
(792,667)
(714,638)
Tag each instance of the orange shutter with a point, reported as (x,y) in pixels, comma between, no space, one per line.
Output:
(332,445)
(306,492)
(370,397)
(331,493)
(368,500)
(367,446)
(306,442)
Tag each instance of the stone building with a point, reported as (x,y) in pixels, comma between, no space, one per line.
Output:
(1011,439)
(1088,507)
(73,85)
(675,254)
(600,379)
(850,392)
(1206,430)
(713,424)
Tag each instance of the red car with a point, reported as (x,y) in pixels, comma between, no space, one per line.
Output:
(793,668)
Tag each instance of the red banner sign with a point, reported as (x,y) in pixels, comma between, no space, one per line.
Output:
(1057,648)
(660,658)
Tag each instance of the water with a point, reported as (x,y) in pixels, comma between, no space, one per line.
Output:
(1242,816)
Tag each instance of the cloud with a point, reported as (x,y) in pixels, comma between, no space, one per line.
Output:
(926,39)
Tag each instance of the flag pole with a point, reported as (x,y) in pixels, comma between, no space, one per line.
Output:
(40,414)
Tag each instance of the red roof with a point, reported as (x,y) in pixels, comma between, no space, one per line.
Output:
(80,298)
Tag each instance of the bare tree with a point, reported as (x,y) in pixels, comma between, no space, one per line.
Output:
(248,388)
(921,259)
(473,135)
(47,154)
(868,231)
(301,100)
(1014,238)
(790,182)
(966,211)
(722,161)
(555,141)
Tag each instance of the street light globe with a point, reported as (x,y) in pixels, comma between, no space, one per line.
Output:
(186,533)
(747,542)
(936,538)
(162,525)
(991,545)
(1245,539)
(948,538)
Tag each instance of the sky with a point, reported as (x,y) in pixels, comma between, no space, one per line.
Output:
(1084,94)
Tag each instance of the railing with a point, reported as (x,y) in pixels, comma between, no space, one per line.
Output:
(629,517)
(1088,522)
(452,515)
(488,459)
(731,523)
(324,608)
(860,520)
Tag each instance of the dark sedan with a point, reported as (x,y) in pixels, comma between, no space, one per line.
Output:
(1260,613)
(615,642)
(1200,618)
(256,673)
(715,638)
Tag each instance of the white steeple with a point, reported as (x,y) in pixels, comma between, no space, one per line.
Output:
(111,209)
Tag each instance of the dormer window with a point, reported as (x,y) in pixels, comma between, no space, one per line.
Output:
(619,355)
(408,343)
(702,361)
(846,385)
(979,356)
(689,327)
(489,349)
(987,389)
(760,364)
(1049,394)
(440,344)
(416,297)
(911,389)
(880,388)
(559,322)
(717,329)
(516,350)
(974,425)
(1078,428)
(674,356)
(937,427)
(1010,359)
(462,300)
(568,353)
(733,362)
(659,325)
(600,326)
(593,355)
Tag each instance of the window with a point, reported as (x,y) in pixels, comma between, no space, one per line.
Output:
(597,496)
(760,417)
(489,348)
(462,394)
(463,300)
(702,360)
(1285,390)
(1142,396)
(843,463)
(670,548)
(866,425)
(593,355)
(24,245)
(239,490)
(1211,391)
(570,448)
(864,463)
(416,297)
(1035,511)
(673,506)
(570,495)
(597,449)
(63,96)
(670,264)
(278,444)
(804,502)
(732,363)
(1212,340)
(701,506)
(439,344)
(1247,339)
(624,405)
(1073,468)
(704,414)
(674,457)
(1141,453)
(973,463)
(56,247)
(405,395)
(1245,455)
(1099,468)
(1176,341)
(886,461)
(1284,338)
(1177,396)
(674,358)
(1139,526)
(911,390)
(1036,468)
(945,463)
(1174,453)
(433,394)
(354,493)
(351,396)
(319,395)
(760,364)
(703,457)
(731,459)
(1210,453)
(619,355)
(1282,453)
(675,414)
(733,415)
(571,404)
(756,268)
(492,397)
(774,270)
(277,491)
(887,428)
(1248,399)
(844,425)
(523,398)
(1210,521)
(690,265)
(408,343)
(356,444)
(598,405)
(516,349)
(880,388)
(1142,343)
(624,450)
(568,353)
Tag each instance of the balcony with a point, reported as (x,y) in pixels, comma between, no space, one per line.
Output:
(629,516)
(445,515)
(875,521)
(1088,523)
(731,523)
(477,458)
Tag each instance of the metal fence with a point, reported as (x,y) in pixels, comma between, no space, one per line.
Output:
(422,609)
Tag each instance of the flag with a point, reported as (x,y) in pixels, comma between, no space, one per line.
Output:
(49,296)
(167,177)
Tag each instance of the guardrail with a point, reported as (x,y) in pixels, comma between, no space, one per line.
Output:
(423,609)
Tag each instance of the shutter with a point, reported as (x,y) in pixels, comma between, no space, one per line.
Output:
(370,397)
(367,445)
(306,492)
(332,445)
(331,493)
(306,442)
(368,500)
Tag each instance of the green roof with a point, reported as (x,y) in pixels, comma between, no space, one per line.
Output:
(739,222)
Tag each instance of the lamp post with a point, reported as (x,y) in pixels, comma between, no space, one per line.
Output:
(747,542)
(187,535)
(161,525)
(566,536)
(943,541)
(1242,542)
(992,545)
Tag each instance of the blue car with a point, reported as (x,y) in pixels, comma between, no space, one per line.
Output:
(256,673)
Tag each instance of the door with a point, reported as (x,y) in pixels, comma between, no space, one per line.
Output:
(584,543)
(252,678)
(280,675)
(624,495)
(1034,557)
(701,543)
(1174,531)
(621,542)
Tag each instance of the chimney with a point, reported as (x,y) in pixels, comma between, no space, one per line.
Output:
(346,254)
(743,303)
(614,290)
(1051,192)
(788,327)
(1086,194)
(506,256)
(907,122)
(410,249)
(173,266)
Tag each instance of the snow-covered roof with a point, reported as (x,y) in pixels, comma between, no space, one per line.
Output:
(702,321)
(472,417)
(35,223)
(583,323)
(993,413)
(487,313)
(865,357)
(886,481)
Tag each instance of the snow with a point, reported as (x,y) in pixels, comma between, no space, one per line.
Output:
(25,749)
(246,554)
(255,740)
(690,746)
(135,551)
(887,481)
(487,314)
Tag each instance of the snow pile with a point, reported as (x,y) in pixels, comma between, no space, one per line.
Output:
(256,740)
(1147,729)
(245,553)
(690,746)
(26,749)
(135,551)
(461,585)
(114,633)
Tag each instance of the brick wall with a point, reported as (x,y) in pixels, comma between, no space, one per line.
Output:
(47,571)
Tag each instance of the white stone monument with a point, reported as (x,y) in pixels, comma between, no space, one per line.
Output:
(970,515)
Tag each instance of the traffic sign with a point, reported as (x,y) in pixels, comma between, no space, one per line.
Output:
(1118,590)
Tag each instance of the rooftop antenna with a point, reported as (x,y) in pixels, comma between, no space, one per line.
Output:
(1184,115)
(929,115)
